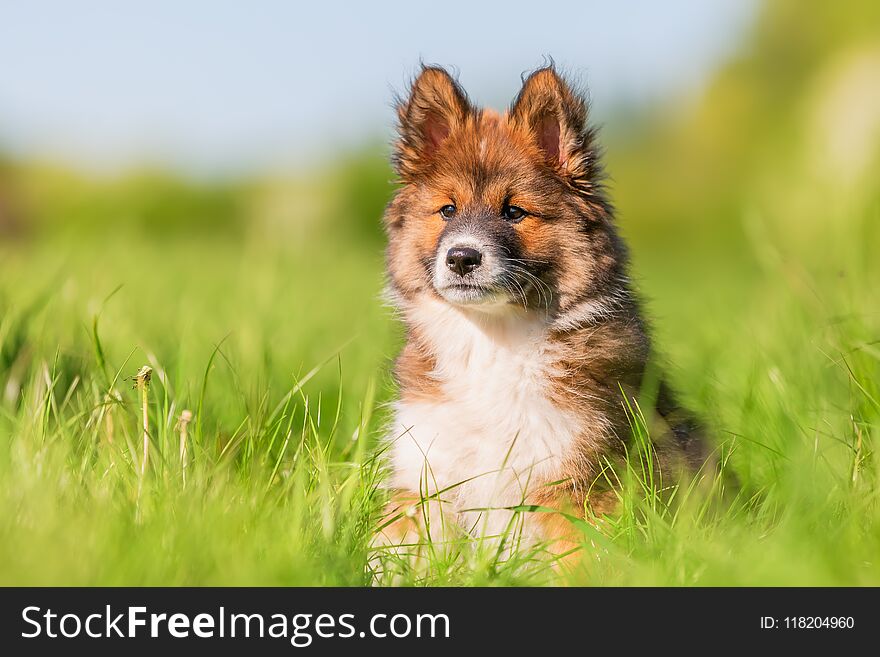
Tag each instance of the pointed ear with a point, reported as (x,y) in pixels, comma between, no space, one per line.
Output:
(436,106)
(554,118)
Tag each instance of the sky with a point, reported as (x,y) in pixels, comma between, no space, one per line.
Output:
(215,87)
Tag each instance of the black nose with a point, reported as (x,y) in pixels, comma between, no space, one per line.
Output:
(463,260)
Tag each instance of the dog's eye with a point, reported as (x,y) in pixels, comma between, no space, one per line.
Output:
(447,211)
(513,213)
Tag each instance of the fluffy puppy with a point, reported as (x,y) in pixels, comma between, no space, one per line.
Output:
(524,338)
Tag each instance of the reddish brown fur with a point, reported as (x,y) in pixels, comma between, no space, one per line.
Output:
(540,156)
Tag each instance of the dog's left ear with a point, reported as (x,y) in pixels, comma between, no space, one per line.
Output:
(436,106)
(554,118)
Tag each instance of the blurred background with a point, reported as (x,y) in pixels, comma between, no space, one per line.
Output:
(199,172)
(198,186)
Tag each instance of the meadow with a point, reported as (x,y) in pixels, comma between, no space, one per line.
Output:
(281,352)
(256,304)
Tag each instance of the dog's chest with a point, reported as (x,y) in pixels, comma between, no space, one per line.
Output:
(495,430)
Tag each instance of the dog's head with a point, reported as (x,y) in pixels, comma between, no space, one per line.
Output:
(499,211)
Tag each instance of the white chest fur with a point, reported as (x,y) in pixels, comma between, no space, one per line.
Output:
(494,433)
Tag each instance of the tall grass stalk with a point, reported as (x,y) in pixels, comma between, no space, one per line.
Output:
(183,424)
(142,383)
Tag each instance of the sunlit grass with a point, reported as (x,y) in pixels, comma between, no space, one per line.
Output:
(270,369)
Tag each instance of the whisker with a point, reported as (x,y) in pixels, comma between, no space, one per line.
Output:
(545,293)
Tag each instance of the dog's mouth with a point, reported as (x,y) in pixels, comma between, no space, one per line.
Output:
(472,294)
(466,286)
(479,283)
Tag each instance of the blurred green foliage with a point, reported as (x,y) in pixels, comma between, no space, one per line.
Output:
(752,212)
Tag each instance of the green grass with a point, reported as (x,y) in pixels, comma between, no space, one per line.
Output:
(281,349)
(754,222)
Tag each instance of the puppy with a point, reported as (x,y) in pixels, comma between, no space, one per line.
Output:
(524,339)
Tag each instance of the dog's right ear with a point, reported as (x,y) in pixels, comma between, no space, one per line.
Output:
(436,106)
